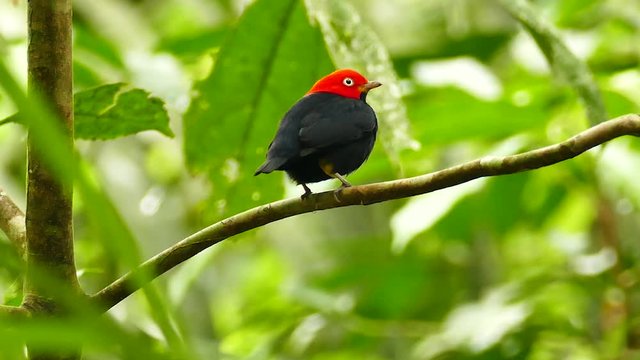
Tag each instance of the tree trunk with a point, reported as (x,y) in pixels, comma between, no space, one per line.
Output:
(50,262)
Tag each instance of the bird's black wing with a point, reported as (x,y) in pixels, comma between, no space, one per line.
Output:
(316,122)
(285,145)
(337,122)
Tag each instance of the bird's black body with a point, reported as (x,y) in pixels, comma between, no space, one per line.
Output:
(322,128)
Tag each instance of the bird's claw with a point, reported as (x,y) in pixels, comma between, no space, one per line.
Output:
(338,191)
(307,192)
(344,181)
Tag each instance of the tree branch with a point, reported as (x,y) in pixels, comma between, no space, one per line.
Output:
(12,222)
(364,195)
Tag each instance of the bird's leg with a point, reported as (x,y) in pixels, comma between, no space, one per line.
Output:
(307,192)
(328,169)
(344,181)
(338,191)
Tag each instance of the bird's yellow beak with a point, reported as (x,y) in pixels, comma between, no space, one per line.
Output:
(368,86)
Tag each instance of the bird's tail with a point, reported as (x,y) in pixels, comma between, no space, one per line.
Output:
(262,169)
(270,165)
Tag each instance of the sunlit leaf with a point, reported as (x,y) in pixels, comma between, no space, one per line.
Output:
(563,62)
(111,111)
(421,212)
(476,326)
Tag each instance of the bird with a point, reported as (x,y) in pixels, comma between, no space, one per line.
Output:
(329,133)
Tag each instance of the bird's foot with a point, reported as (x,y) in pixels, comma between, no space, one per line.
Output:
(344,181)
(338,191)
(307,192)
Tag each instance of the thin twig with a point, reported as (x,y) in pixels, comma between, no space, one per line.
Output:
(364,195)
(12,222)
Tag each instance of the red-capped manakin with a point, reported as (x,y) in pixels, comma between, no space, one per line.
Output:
(328,133)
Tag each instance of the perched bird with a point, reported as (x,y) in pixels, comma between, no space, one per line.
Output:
(327,134)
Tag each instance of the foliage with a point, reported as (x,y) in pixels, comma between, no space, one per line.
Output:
(107,112)
(539,265)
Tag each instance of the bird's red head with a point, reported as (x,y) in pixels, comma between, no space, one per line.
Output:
(346,82)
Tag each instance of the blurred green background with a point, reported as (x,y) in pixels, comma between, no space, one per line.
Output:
(538,265)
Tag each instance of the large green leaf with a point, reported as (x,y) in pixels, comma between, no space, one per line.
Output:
(111,111)
(561,60)
(268,61)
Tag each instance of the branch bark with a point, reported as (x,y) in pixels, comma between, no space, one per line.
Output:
(12,222)
(364,195)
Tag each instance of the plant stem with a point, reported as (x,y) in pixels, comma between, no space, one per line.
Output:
(12,222)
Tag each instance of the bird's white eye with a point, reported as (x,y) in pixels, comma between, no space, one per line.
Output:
(348,81)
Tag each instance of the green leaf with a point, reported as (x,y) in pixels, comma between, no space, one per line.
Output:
(482,120)
(562,61)
(353,44)
(110,111)
(265,65)
(193,44)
